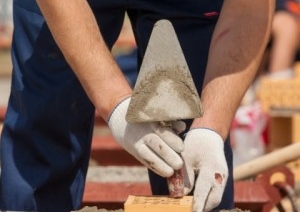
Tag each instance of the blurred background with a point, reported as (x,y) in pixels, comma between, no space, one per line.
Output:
(6,23)
(6,27)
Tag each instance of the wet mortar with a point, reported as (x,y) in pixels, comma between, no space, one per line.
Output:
(95,209)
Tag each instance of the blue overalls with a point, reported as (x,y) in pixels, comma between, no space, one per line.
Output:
(46,138)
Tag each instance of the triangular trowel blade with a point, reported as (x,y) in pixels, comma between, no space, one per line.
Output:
(164,90)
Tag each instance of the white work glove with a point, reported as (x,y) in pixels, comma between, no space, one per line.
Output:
(203,155)
(155,146)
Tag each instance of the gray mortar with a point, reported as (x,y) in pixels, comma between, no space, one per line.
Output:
(95,209)
(146,89)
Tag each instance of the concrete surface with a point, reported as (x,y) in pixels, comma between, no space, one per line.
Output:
(117,174)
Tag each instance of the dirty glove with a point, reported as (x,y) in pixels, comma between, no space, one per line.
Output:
(204,157)
(155,146)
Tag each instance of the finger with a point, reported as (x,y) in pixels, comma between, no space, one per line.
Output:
(163,151)
(216,193)
(214,197)
(178,126)
(169,137)
(153,161)
(202,190)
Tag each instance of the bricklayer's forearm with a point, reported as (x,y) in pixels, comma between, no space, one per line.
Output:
(237,46)
(76,32)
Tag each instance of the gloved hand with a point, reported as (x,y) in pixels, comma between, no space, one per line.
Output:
(155,146)
(203,155)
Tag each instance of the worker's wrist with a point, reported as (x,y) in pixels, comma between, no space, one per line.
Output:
(122,104)
(106,109)
(215,125)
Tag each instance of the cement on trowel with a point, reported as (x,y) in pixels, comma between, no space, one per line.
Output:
(164,90)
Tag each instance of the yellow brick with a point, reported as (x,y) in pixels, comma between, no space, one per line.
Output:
(297,69)
(158,204)
(283,93)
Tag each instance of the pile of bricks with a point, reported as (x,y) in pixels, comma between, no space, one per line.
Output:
(280,99)
(280,93)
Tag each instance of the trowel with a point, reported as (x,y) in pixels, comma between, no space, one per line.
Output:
(164,90)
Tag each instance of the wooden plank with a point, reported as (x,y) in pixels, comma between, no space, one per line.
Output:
(284,129)
(279,132)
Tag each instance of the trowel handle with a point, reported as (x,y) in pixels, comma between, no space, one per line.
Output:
(176,184)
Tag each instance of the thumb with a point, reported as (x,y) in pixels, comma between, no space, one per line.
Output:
(178,126)
(202,191)
(168,136)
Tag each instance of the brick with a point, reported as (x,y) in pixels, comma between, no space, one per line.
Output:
(283,130)
(112,195)
(158,204)
(283,93)
(2,113)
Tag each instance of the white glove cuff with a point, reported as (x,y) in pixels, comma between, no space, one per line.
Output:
(117,117)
